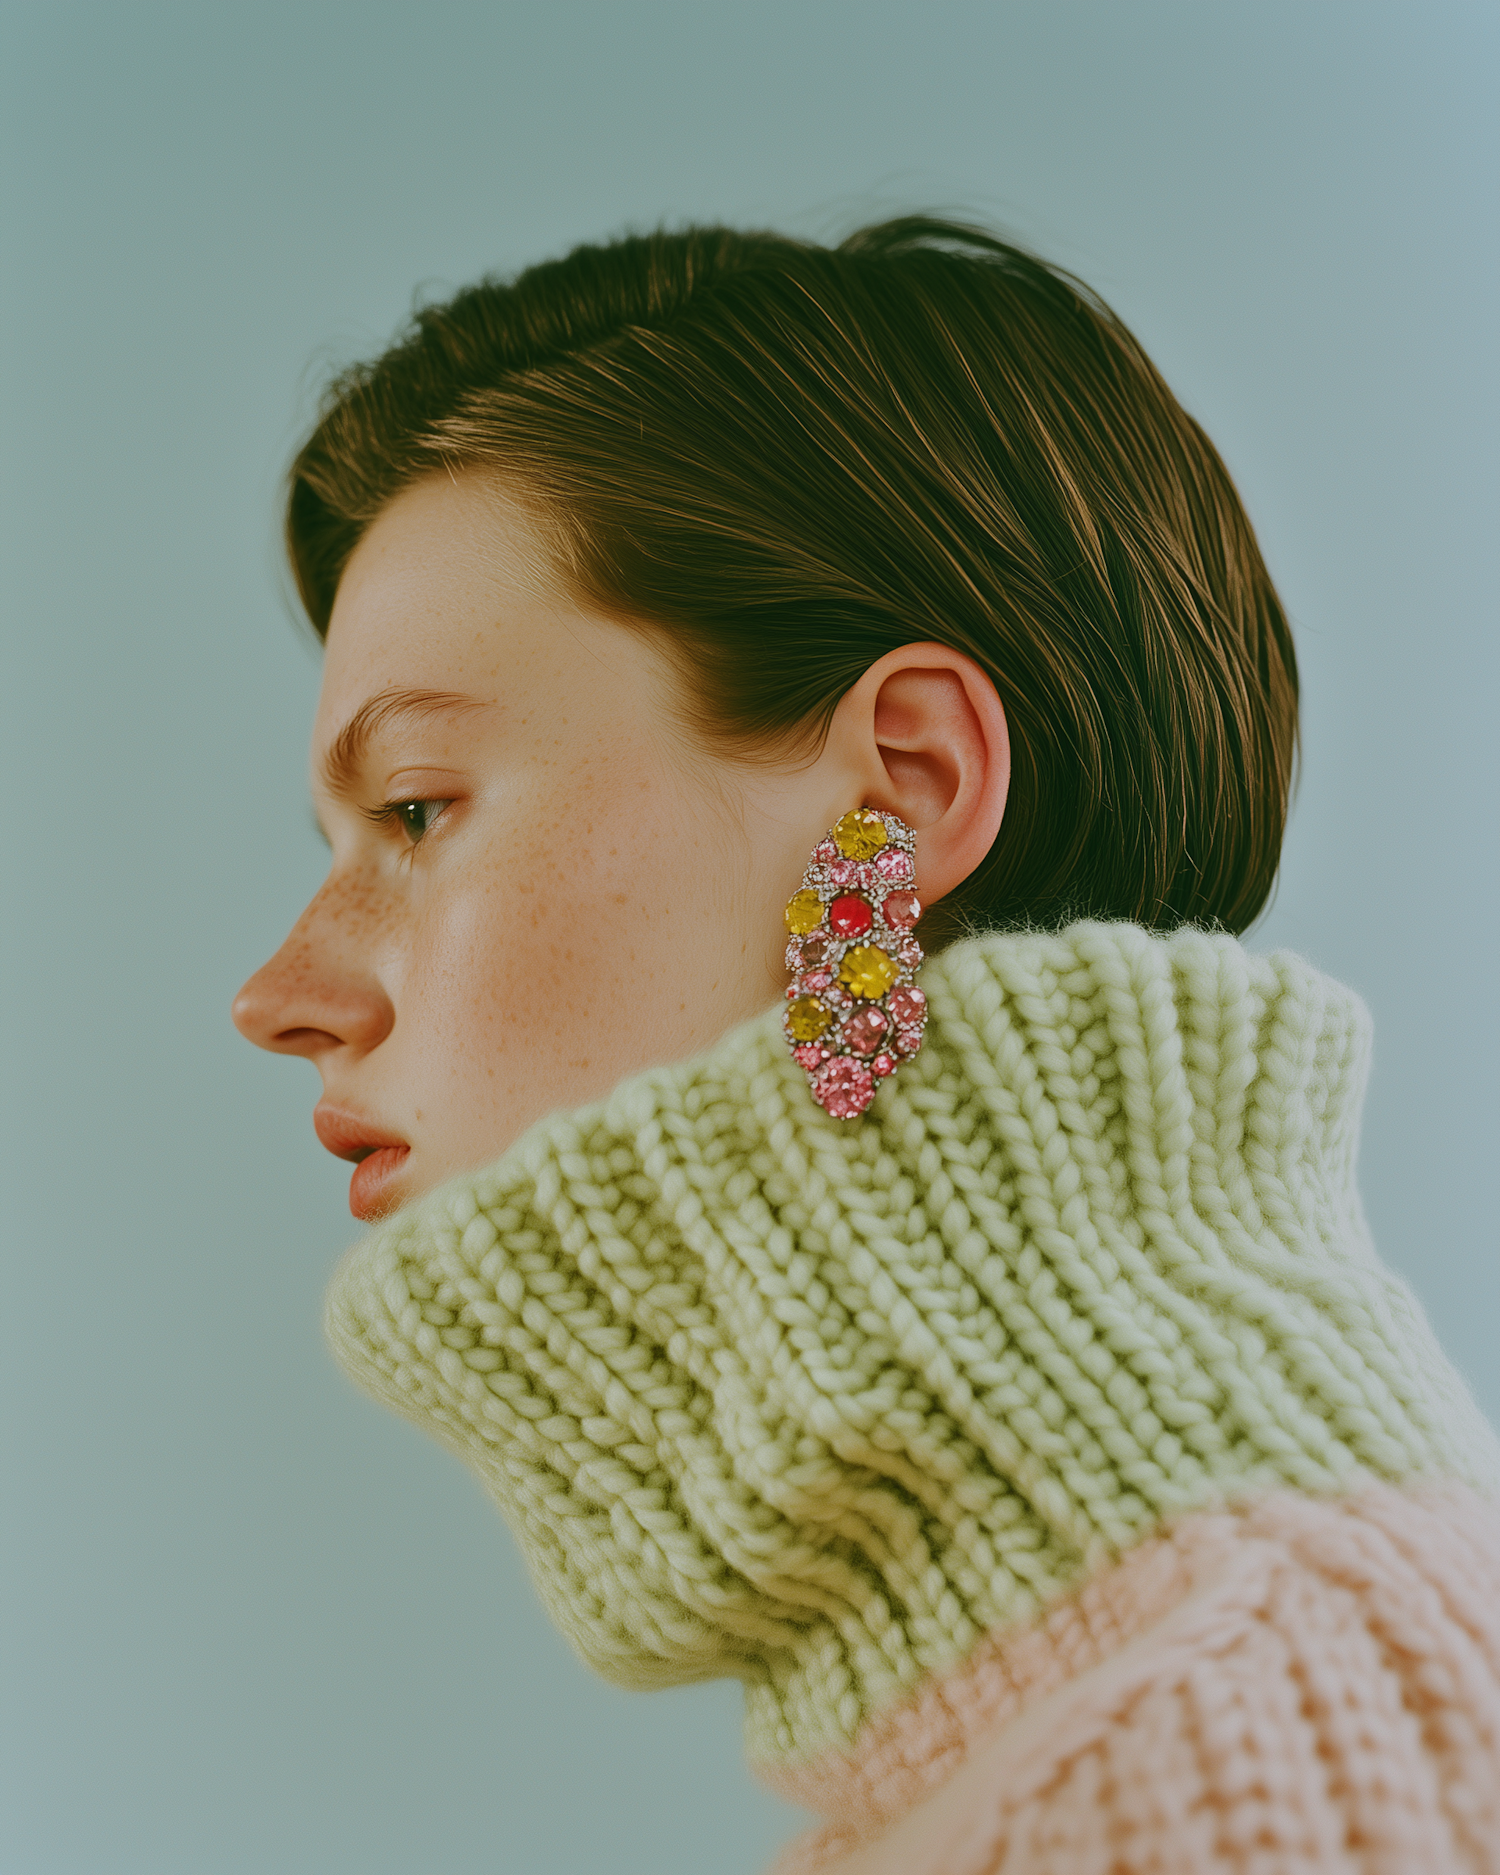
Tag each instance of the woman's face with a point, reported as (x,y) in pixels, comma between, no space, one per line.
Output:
(539,882)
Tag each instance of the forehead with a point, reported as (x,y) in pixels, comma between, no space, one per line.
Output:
(447,590)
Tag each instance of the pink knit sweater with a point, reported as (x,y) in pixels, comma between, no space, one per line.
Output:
(1302,1685)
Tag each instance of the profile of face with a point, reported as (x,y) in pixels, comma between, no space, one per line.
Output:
(542,878)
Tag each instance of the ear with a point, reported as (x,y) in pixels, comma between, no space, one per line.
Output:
(925,730)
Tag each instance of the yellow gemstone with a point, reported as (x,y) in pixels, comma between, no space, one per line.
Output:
(860,834)
(807,1018)
(804,913)
(867,971)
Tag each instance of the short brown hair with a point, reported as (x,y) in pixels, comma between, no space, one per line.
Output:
(792,459)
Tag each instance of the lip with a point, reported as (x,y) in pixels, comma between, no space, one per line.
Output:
(377,1156)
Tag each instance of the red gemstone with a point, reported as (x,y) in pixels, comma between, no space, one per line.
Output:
(882,1065)
(908,1041)
(807,1056)
(865,1029)
(816,980)
(850,916)
(843,1087)
(901,910)
(908,1006)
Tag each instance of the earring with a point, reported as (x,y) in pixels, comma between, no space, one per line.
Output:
(853,1008)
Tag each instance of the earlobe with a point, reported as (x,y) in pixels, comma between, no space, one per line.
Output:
(937,753)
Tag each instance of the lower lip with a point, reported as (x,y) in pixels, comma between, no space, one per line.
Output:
(369,1188)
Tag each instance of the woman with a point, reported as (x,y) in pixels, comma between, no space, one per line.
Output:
(982,1358)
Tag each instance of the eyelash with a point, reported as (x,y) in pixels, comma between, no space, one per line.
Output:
(392,813)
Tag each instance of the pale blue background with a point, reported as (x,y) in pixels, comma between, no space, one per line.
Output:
(254,1626)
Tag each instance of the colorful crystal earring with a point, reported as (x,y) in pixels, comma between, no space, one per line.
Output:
(853,1009)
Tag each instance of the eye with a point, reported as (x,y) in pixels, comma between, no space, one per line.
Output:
(417,816)
(413,817)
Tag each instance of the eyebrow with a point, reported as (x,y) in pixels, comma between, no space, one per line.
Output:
(341,761)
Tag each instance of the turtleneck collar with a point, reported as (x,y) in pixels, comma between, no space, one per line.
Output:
(819,1403)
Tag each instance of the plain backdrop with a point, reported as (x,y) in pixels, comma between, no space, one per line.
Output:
(254,1625)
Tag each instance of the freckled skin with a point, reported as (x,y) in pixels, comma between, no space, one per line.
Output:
(603,892)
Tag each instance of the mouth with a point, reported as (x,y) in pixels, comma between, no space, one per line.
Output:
(376,1155)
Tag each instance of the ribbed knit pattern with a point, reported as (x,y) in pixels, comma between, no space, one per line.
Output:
(822,1404)
(1309,1686)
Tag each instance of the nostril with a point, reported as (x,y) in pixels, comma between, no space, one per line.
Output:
(301,1041)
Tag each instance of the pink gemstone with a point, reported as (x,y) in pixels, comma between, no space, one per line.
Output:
(908,1041)
(843,1087)
(865,1029)
(910,952)
(908,1006)
(882,1065)
(824,851)
(791,991)
(893,865)
(844,872)
(901,910)
(807,1056)
(850,916)
(817,980)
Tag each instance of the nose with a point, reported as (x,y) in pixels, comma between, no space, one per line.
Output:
(320,991)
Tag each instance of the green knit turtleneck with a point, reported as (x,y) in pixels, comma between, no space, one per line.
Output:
(817,1403)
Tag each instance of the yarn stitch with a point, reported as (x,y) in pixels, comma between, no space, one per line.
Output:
(1305,1685)
(821,1406)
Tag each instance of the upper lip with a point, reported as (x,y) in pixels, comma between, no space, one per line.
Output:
(347,1135)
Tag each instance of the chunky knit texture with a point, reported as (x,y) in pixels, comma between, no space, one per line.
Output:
(1306,1685)
(823,1405)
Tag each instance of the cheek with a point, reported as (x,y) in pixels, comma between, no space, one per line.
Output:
(521,946)
(584,939)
